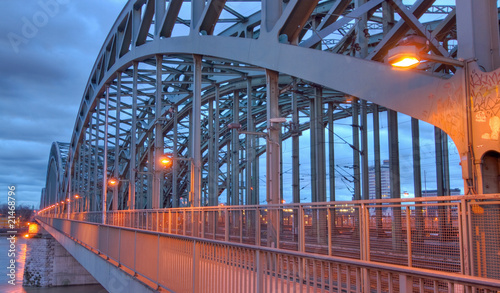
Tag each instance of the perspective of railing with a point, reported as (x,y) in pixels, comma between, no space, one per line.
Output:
(457,234)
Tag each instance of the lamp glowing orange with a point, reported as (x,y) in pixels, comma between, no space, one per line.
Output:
(404,57)
(166,161)
(77,196)
(113,181)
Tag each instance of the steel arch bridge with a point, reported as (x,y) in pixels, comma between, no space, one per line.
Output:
(208,83)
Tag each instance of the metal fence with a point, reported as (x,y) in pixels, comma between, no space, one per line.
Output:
(459,234)
(189,264)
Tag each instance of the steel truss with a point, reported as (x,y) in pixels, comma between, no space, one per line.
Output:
(164,84)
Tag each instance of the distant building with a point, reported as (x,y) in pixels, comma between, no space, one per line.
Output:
(384,178)
(386,183)
(432,193)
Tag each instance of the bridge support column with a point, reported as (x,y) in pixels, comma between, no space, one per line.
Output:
(356,150)
(133,143)
(104,199)
(392,121)
(116,188)
(235,150)
(295,146)
(251,196)
(157,195)
(196,134)
(273,154)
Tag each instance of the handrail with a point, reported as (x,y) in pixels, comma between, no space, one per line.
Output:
(453,278)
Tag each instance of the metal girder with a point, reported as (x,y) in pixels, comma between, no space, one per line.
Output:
(210,16)
(318,36)
(398,31)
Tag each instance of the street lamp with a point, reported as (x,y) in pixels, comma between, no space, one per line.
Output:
(166,161)
(409,56)
(112,181)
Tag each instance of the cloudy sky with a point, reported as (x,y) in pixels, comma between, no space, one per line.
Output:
(47,49)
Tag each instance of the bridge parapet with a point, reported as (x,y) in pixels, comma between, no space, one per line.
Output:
(448,234)
(136,243)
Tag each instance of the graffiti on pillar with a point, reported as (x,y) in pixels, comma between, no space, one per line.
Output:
(445,109)
(484,90)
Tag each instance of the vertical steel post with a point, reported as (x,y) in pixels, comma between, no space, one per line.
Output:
(417,178)
(197,7)
(196,134)
(175,164)
(331,151)
(216,144)
(362,31)
(105,160)
(356,149)
(235,149)
(312,128)
(96,154)
(88,155)
(392,121)
(478,32)
(319,144)
(250,152)
(212,156)
(364,151)
(273,153)
(116,204)
(157,196)
(295,144)
(133,135)
(378,182)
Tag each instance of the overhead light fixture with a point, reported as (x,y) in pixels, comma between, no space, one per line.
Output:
(405,57)
(410,56)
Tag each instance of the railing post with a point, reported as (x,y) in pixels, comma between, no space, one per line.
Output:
(408,236)
(405,283)
(226,224)
(365,248)
(329,227)
(258,269)
(257,227)
(195,266)
(169,222)
(202,223)
(302,236)
(464,238)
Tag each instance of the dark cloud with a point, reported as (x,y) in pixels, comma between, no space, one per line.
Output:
(47,49)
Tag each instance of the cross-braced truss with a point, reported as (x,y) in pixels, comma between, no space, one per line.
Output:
(176,77)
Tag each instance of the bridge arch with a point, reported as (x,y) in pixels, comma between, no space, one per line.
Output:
(54,185)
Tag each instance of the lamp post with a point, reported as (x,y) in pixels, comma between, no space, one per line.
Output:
(272,174)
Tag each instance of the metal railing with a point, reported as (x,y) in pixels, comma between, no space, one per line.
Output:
(189,264)
(458,234)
